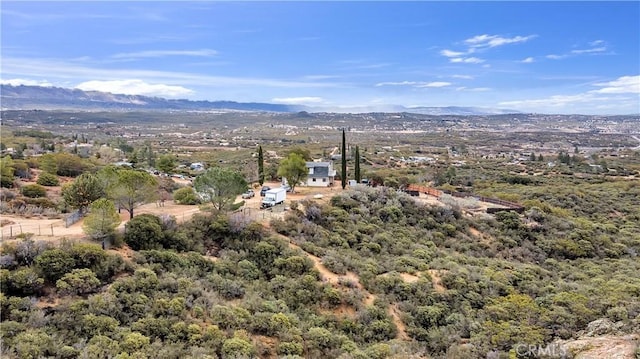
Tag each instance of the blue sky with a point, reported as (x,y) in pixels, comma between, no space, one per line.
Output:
(552,57)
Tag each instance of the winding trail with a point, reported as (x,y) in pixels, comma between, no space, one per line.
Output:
(369,299)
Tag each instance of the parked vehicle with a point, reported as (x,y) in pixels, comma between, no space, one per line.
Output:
(287,188)
(264,190)
(273,197)
(248,194)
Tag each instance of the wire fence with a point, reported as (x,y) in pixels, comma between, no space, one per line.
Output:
(60,228)
(259,215)
(72,218)
(16,230)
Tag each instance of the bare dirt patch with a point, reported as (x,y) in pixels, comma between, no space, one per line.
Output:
(124,251)
(611,347)
(342,311)
(409,278)
(54,229)
(395,316)
(484,238)
(336,279)
(437,280)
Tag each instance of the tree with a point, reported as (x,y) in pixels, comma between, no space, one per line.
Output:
(62,164)
(80,193)
(356,170)
(7,169)
(132,188)
(304,153)
(102,221)
(166,163)
(343,158)
(260,166)
(185,195)
(54,263)
(220,186)
(144,232)
(48,163)
(294,169)
(48,179)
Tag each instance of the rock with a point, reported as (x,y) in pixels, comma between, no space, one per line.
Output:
(600,327)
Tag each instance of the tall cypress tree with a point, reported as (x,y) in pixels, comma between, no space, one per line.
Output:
(260,166)
(343,177)
(357,165)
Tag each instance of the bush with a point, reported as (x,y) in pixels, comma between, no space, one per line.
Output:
(144,232)
(237,348)
(185,195)
(54,263)
(290,348)
(78,281)
(48,179)
(34,191)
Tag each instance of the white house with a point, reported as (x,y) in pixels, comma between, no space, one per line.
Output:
(321,174)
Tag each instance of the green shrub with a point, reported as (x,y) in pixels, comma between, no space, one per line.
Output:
(78,281)
(48,179)
(144,232)
(185,195)
(34,191)
(290,348)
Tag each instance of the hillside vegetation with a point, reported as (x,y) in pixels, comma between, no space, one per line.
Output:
(414,281)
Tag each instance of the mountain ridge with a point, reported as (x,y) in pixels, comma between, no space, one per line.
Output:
(24,97)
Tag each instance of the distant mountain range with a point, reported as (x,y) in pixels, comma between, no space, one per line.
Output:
(57,98)
(54,98)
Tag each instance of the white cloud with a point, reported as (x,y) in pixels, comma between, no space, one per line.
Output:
(485,40)
(165,53)
(589,101)
(466,60)
(70,72)
(319,77)
(528,60)
(589,51)
(464,77)
(449,53)
(436,84)
(401,83)
(26,82)
(473,89)
(135,87)
(624,84)
(420,84)
(554,101)
(298,100)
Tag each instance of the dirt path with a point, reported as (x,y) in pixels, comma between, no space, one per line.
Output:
(335,279)
(395,316)
(437,280)
(369,298)
(484,238)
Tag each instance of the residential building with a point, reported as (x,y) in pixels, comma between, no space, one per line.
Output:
(321,174)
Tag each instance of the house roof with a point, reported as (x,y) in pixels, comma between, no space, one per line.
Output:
(318,164)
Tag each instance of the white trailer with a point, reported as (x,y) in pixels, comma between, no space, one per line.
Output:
(273,197)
